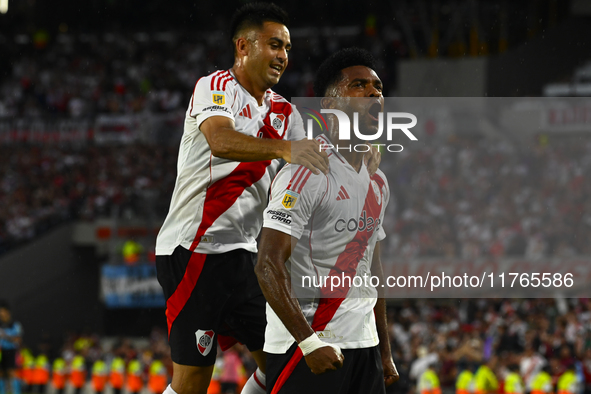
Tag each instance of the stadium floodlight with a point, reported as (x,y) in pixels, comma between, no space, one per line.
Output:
(3,6)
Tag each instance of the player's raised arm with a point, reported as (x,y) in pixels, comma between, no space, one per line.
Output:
(224,141)
(274,249)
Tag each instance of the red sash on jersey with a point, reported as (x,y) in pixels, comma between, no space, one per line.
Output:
(220,196)
(347,263)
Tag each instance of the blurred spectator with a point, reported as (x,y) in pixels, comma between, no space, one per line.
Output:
(587,370)
(44,186)
(467,199)
(463,198)
(10,339)
(422,363)
(422,333)
(85,75)
(131,251)
(232,373)
(531,364)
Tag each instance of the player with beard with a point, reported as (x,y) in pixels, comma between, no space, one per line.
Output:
(328,225)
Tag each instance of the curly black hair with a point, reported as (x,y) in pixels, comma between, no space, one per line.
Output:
(254,15)
(329,71)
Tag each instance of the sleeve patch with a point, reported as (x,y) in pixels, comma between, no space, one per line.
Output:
(218,98)
(289,199)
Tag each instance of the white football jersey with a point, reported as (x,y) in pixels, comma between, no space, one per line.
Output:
(337,219)
(217,204)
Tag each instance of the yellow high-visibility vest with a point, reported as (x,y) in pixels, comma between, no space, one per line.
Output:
(465,382)
(485,381)
(567,383)
(542,383)
(429,383)
(514,384)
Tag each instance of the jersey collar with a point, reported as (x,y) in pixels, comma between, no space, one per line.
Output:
(268,92)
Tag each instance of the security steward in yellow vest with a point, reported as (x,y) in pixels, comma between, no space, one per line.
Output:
(513,382)
(465,380)
(485,381)
(542,382)
(429,382)
(568,382)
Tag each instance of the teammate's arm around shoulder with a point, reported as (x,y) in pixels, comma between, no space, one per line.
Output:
(227,143)
(213,106)
(224,141)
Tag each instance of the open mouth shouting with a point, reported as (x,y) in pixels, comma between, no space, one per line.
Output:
(374,110)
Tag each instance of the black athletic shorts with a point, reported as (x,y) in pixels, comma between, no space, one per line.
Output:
(8,361)
(208,296)
(362,373)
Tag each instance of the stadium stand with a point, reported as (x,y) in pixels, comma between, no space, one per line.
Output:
(449,333)
(72,97)
(477,198)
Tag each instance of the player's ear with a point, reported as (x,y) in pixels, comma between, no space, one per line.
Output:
(242,46)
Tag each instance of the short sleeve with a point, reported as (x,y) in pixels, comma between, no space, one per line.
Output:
(296,130)
(213,96)
(295,193)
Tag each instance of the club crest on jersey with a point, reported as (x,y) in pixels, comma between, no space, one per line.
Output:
(277,121)
(289,199)
(376,191)
(218,98)
(204,341)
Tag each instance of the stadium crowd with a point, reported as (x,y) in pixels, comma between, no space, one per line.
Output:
(85,75)
(484,198)
(42,186)
(461,199)
(92,363)
(443,335)
(532,333)
(82,76)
